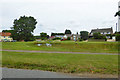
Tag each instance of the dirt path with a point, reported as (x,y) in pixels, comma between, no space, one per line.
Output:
(59,52)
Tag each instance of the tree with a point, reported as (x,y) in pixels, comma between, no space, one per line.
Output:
(24,27)
(43,36)
(84,35)
(68,32)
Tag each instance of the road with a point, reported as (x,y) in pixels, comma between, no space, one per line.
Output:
(58,52)
(22,73)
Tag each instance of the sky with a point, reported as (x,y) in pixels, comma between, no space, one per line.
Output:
(58,15)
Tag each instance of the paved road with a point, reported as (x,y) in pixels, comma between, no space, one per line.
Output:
(21,73)
(59,52)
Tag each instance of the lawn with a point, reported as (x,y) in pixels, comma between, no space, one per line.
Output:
(67,63)
(68,46)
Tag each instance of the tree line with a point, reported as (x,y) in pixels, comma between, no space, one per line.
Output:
(23,29)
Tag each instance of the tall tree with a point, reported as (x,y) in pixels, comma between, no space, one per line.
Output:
(24,27)
(84,35)
(68,31)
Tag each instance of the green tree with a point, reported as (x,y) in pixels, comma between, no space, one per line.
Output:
(24,27)
(68,31)
(43,36)
(84,35)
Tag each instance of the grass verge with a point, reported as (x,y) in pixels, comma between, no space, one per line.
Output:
(68,46)
(67,63)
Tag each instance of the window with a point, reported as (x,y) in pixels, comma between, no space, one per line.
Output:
(108,36)
(108,32)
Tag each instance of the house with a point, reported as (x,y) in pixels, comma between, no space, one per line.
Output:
(57,35)
(103,31)
(51,37)
(66,36)
(5,36)
(75,37)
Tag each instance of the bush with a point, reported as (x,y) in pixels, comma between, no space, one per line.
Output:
(80,39)
(109,35)
(57,38)
(117,36)
(43,38)
(99,36)
(104,37)
(68,38)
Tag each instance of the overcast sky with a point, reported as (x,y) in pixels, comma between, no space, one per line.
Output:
(58,15)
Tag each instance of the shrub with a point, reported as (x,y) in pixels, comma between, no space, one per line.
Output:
(117,36)
(96,35)
(57,38)
(99,36)
(68,38)
(109,35)
(80,39)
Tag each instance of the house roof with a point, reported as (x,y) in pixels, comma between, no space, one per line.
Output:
(102,30)
(5,34)
(53,34)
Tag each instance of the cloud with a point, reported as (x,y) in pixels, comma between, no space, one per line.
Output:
(58,15)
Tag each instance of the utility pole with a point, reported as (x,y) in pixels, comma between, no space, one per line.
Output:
(119,17)
(116,27)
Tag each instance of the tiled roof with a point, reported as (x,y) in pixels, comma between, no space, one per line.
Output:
(5,34)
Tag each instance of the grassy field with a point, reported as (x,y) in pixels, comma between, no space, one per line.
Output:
(70,46)
(67,63)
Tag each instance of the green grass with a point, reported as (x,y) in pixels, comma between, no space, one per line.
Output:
(67,63)
(70,46)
